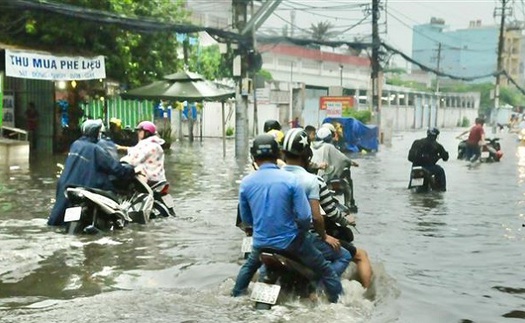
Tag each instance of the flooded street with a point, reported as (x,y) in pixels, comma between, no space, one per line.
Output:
(440,257)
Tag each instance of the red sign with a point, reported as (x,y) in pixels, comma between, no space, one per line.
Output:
(337,106)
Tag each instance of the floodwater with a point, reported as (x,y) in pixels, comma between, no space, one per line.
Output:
(440,257)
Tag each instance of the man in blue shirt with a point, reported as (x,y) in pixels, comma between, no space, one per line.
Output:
(275,205)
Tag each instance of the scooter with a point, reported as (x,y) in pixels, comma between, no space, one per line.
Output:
(93,211)
(343,190)
(490,152)
(285,275)
(422,180)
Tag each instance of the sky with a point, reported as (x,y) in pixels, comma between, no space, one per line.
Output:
(396,22)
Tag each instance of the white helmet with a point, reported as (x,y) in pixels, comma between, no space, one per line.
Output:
(329,126)
(324,134)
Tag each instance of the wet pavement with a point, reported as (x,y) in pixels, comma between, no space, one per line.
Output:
(455,256)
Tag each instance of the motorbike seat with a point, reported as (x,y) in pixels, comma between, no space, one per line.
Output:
(104,193)
(273,258)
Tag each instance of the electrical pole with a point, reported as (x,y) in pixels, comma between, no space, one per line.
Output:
(438,67)
(501,46)
(376,68)
(240,19)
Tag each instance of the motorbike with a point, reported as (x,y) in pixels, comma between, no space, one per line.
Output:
(285,275)
(93,210)
(490,152)
(422,180)
(343,190)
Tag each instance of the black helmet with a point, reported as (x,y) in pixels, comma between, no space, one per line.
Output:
(296,142)
(433,132)
(91,128)
(264,146)
(271,125)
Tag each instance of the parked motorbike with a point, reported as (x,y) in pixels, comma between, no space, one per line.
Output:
(285,275)
(491,152)
(422,180)
(343,190)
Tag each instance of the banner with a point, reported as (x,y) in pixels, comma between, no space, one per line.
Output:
(39,66)
(336,106)
(8,110)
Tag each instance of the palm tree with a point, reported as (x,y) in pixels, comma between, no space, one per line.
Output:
(322,31)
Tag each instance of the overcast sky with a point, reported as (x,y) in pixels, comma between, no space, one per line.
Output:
(400,16)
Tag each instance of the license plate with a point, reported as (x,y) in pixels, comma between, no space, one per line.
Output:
(485,154)
(417,181)
(73,214)
(246,245)
(168,200)
(265,293)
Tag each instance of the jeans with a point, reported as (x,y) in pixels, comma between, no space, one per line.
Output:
(304,249)
(339,260)
(473,152)
(246,272)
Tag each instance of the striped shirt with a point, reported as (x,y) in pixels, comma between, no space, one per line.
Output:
(329,204)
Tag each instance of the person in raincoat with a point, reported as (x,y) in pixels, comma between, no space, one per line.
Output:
(147,154)
(87,164)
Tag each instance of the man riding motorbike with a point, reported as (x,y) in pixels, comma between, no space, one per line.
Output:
(275,205)
(426,152)
(325,152)
(87,164)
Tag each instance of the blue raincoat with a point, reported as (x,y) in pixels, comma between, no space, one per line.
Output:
(87,164)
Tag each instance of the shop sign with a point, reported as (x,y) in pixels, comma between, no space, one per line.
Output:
(336,106)
(32,65)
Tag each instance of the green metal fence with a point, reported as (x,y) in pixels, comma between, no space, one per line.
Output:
(130,112)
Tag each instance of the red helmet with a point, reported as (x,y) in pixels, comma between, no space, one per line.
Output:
(147,126)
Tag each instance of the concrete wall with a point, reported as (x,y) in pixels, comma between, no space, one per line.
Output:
(14,152)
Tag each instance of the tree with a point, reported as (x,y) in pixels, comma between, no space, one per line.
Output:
(131,58)
(322,31)
(210,63)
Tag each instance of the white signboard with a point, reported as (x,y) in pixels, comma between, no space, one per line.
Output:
(53,68)
(334,109)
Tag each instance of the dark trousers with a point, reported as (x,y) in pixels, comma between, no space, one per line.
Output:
(439,172)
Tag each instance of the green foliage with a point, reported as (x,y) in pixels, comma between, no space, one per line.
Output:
(210,63)
(397,81)
(362,115)
(322,30)
(131,58)
(267,76)
(229,131)
(464,122)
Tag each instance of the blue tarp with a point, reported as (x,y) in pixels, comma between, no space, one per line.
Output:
(354,135)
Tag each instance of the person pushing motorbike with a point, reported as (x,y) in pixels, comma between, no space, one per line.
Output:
(87,164)
(426,152)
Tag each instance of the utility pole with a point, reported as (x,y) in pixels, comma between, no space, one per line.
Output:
(501,46)
(438,67)
(240,19)
(376,68)
(254,77)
